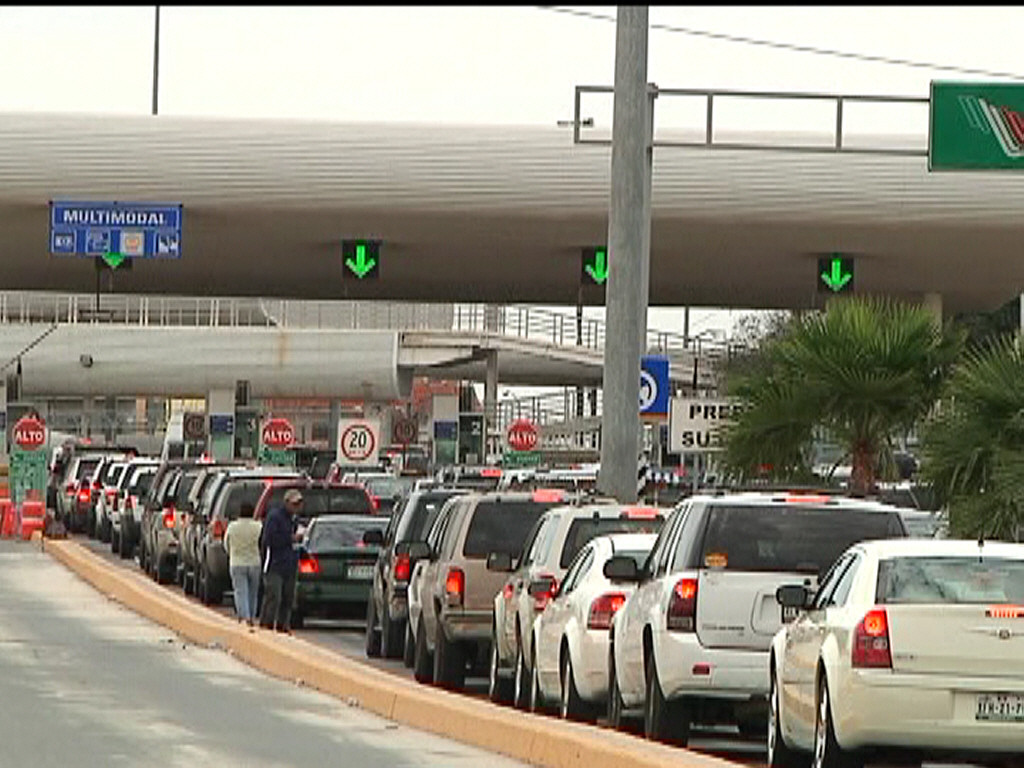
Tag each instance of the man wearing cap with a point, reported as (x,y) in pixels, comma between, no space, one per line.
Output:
(280,563)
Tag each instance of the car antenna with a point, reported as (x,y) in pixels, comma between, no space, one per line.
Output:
(981,543)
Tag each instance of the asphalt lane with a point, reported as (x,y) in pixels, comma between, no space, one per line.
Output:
(85,682)
(347,637)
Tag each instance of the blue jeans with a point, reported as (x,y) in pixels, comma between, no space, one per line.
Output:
(245,581)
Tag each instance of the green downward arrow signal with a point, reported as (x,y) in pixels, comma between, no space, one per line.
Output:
(599,271)
(361,264)
(114,259)
(838,278)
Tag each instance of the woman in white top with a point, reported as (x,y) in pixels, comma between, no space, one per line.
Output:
(242,542)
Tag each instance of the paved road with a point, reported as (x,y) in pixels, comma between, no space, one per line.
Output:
(347,638)
(85,682)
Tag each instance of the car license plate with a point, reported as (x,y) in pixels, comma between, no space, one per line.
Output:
(1005,707)
(789,613)
(362,572)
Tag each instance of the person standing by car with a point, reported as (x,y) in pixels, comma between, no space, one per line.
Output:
(241,540)
(280,563)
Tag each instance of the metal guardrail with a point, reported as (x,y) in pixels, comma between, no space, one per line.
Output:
(518,321)
(709,95)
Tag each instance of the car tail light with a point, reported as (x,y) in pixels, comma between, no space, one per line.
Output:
(111,493)
(455,585)
(84,495)
(541,599)
(508,591)
(1005,612)
(96,484)
(871,641)
(375,502)
(309,565)
(403,568)
(543,495)
(603,609)
(217,528)
(168,517)
(490,472)
(682,606)
(640,513)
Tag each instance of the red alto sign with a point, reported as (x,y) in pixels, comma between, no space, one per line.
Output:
(278,433)
(522,435)
(29,433)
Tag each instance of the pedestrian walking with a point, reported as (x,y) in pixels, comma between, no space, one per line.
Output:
(241,540)
(280,563)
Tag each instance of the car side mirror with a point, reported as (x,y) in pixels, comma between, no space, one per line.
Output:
(499,561)
(374,537)
(794,596)
(622,568)
(415,550)
(543,587)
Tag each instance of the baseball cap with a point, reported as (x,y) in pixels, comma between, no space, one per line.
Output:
(292,496)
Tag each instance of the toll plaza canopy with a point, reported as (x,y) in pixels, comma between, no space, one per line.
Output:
(494,213)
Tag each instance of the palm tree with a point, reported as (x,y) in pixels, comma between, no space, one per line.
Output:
(861,372)
(974,445)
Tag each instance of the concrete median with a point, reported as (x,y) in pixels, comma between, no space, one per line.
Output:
(534,739)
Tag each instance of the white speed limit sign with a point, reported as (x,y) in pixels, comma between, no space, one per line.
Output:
(358,442)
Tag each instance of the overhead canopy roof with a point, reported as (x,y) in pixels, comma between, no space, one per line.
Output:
(497,213)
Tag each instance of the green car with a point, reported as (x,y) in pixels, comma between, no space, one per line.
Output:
(336,561)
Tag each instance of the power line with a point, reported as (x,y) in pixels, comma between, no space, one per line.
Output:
(794,47)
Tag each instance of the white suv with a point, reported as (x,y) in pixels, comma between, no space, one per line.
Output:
(691,644)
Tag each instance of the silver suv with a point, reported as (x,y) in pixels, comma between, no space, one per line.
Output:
(457,591)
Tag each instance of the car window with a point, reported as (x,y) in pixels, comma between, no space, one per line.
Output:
(139,484)
(950,580)
(501,526)
(842,590)
(187,479)
(584,529)
(535,540)
(86,467)
(661,543)
(417,522)
(325,501)
(112,473)
(793,538)
(330,535)
(388,487)
(662,563)
(238,493)
(830,581)
(441,525)
(452,531)
(578,567)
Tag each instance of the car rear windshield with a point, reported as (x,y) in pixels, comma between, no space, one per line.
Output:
(333,535)
(418,520)
(238,492)
(501,526)
(113,474)
(141,482)
(86,467)
(325,501)
(950,580)
(388,487)
(185,484)
(789,538)
(583,530)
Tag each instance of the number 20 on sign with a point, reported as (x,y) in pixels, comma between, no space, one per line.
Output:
(358,442)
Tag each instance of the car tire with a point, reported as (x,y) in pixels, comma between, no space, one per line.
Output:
(391,635)
(90,526)
(827,752)
(667,721)
(372,633)
(571,705)
(423,661)
(520,692)
(779,755)
(115,542)
(616,711)
(536,700)
(104,534)
(409,652)
(124,546)
(499,688)
(449,661)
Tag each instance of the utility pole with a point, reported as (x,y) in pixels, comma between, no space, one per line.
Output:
(156,61)
(629,226)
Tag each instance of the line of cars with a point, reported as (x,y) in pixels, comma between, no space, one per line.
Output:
(810,618)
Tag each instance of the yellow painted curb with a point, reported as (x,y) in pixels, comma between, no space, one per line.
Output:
(530,738)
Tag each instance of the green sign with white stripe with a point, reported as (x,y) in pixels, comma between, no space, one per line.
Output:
(976,126)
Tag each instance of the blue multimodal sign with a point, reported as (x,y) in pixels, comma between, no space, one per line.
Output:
(142,230)
(654,385)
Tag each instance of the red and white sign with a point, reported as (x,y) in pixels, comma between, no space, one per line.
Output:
(522,435)
(29,433)
(278,433)
(358,442)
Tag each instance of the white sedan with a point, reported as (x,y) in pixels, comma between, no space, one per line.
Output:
(911,648)
(571,635)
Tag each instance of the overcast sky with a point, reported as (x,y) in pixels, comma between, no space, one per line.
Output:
(495,65)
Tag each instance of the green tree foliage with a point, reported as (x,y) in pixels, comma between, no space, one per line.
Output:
(974,444)
(861,372)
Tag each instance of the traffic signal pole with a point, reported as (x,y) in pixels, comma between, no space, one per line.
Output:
(629,227)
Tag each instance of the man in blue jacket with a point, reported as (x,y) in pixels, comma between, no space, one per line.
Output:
(280,563)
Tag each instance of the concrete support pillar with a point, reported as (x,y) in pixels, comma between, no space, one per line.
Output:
(220,419)
(140,415)
(492,440)
(629,225)
(933,302)
(332,423)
